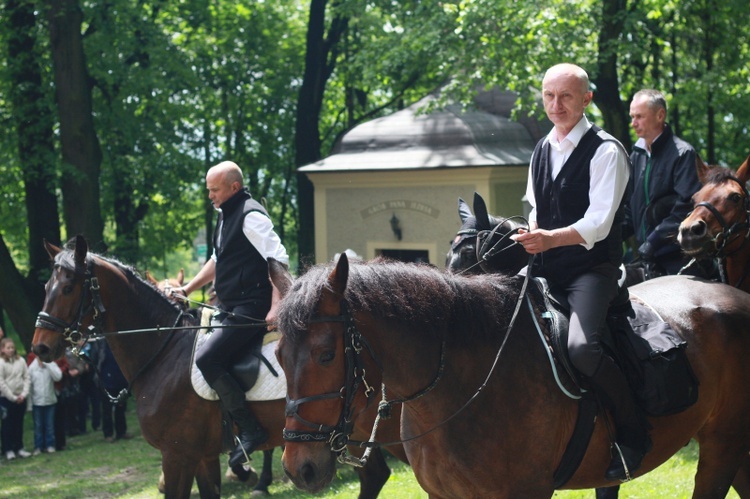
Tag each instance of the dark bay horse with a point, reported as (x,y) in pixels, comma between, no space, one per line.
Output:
(87,290)
(474,430)
(719,225)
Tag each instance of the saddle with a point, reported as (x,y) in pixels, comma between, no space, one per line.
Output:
(650,353)
(255,369)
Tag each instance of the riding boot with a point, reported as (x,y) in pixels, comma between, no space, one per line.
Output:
(631,425)
(251,434)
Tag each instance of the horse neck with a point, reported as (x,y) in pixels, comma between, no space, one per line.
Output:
(409,362)
(130,307)
(738,267)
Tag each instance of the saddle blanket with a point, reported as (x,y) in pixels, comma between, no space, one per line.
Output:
(268,386)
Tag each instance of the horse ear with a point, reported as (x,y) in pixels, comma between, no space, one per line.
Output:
(81,250)
(743,172)
(151,279)
(701,169)
(52,250)
(340,275)
(279,275)
(181,276)
(464,211)
(480,212)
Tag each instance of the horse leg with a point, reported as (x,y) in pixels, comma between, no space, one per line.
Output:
(718,464)
(608,492)
(209,478)
(373,475)
(266,475)
(178,477)
(741,483)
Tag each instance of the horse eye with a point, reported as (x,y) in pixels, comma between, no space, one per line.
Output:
(67,289)
(327,357)
(735,197)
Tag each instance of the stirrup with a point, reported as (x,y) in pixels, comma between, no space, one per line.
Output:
(242,448)
(616,447)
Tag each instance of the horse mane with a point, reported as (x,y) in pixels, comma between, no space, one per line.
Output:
(147,295)
(421,297)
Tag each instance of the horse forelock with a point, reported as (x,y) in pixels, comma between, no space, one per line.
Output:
(421,298)
(719,175)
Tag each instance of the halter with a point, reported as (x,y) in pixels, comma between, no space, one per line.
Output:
(91,302)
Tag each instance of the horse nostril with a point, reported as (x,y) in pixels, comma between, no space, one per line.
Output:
(40,350)
(698,228)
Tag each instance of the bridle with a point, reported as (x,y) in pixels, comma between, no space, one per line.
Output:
(484,247)
(337,436)
(740,228)
(91,302)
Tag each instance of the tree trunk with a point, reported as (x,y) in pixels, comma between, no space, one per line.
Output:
(607,94)
(81,152)
(23,297)
(320,60)
(34,124)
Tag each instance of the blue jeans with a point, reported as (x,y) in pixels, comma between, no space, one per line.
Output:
(44,426)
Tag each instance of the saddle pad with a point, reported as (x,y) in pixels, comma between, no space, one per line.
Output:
(268,386)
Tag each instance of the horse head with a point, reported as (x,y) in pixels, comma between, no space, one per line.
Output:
(718,225)
(483,243)
(331,378)
(71,297)
(168,284)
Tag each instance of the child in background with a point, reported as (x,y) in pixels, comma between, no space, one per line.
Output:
(14,389)
(43,399)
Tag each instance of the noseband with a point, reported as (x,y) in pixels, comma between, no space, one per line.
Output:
(91,302)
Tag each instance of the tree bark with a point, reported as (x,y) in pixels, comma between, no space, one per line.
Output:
(607,94)
(320,60)
(20,296)
(81,152)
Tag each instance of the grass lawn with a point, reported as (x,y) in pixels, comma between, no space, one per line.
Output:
(92,468)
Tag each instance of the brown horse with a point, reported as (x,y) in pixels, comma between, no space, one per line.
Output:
(439,338)
(719,226)
(88,292)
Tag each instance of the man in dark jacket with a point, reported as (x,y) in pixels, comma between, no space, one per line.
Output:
(243,240)
(577,180)
(663,182)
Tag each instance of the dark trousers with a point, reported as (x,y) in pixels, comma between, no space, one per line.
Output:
(113,413)
(11,434)
(224,344)
(589,296)
(61,422)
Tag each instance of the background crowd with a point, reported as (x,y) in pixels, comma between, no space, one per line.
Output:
(66,398)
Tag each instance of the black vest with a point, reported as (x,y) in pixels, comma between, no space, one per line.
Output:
(241,272)
(564,201)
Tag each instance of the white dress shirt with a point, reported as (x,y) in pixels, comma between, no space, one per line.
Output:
(609,174)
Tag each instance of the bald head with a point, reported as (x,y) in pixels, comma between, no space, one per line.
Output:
(565,92)
(223,181)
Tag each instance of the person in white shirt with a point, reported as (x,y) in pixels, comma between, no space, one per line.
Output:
(243,241)
(577,181)
(43,403)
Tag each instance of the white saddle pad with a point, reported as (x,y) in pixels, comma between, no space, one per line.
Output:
(268,386)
